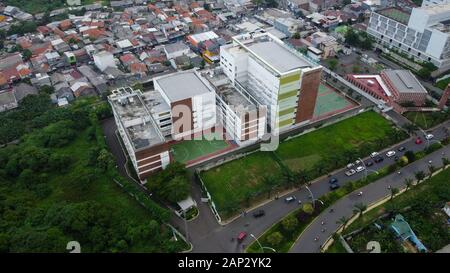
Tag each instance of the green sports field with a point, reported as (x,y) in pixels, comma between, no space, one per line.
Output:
(329,101)
(189,150)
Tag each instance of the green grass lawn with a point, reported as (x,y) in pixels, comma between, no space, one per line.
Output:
(231,183)
(238,184)
(188,150)
(426,120)
(305,151)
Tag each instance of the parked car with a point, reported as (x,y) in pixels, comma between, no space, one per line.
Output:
(419,141)
(360,169)
(374,154)
(290,199)
(368,163)
(241,236)
(333,180)
(350,172)
(334,186)
(401,149)
(357,162)
(259,213)
(378,159)
(350,165)
(390,153)
(429,136)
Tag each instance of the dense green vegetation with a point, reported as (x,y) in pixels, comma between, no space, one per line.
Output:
(359,39)
(38,6)
(235,185)
(57,185)
(172,184)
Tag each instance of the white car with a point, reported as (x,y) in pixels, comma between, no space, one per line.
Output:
(360,169)
(374,154)
(357,162)
(429,136)
(350,172)
(390,153)
(350,165)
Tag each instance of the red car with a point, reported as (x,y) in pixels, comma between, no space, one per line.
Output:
(419,140)
(241,236)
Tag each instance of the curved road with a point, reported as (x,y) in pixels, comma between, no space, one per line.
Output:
(371,194)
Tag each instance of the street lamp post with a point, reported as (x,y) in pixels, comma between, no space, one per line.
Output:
(312,196)
(262,247)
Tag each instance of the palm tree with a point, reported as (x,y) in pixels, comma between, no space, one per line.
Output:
(408,183)
(445,162)
(394,191)
(302,177)
(270,183)
(359,208)
(420,175)
(431,168)
(343,221)
(410,128)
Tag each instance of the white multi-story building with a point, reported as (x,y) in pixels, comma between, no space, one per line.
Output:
(423,34)
(140,134)
(427,3)
(269,73)
(188,93)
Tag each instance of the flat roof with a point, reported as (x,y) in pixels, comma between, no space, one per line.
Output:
(182,85)
(404,81)
(278,56)
(396,14)
(135,117)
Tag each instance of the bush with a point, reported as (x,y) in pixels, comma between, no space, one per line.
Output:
(308,208)
(289,223)
(275,238)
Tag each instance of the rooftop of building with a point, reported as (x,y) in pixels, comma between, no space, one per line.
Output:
(141,129)
(155,102)
(404,81)
(227,92)
(182,85)
(273,52)
(395,13)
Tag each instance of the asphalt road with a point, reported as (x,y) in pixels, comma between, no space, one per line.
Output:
(371,193)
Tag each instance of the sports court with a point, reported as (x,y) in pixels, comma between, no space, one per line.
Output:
(189,151)
(330,102)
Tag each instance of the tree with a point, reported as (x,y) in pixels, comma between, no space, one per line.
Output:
(296,35)
(289,223)
(394,191)
(343,221)
(308,208)
(176,189)
(332,63)
(410,155)
(26,54)
(275,238)
(105,160)
(359,208)
(431,169)
(46,90)
(424,73)
(410,128)
(420,175)
(270,183)
(408,183)
(445,162)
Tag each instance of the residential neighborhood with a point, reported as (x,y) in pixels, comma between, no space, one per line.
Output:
(225,126)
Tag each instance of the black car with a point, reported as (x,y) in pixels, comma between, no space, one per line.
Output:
(368,163)
(401,149)
(378,159)
(334,186)
(259,213)
(333,180)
